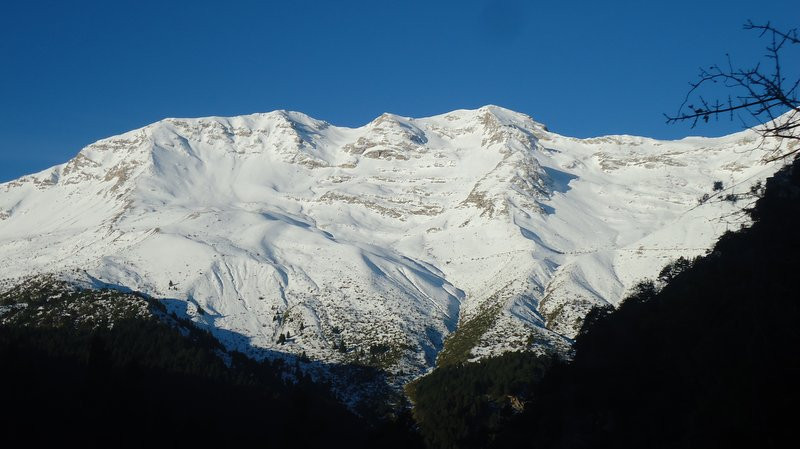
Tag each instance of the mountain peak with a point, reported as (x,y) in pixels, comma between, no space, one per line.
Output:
(391,235)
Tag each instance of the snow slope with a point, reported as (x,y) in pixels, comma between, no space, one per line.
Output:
(374,243)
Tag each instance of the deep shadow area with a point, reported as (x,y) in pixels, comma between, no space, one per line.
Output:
(707,356)
(559,179)
(121,378)
(465,405)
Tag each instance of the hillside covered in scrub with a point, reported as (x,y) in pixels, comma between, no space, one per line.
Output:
(113,368)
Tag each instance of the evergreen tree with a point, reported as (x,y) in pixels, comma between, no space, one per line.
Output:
(707,360)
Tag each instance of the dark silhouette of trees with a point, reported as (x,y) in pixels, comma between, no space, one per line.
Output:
(709,359)
(147,381)
(762,95)
(462,406)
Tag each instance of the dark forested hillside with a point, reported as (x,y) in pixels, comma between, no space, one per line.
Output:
(110,368)
(709,360)
(464,405)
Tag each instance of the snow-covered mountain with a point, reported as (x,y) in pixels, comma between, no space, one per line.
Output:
(378,241)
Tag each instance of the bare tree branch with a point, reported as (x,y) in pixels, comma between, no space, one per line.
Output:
(765,95)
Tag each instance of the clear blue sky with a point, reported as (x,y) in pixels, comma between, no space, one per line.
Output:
(74,72)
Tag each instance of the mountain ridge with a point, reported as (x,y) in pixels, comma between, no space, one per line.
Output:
(374,244)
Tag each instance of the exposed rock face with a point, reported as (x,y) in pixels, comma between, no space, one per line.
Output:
(374,244)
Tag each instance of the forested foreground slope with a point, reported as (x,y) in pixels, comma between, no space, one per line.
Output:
(107,368)
(705,357)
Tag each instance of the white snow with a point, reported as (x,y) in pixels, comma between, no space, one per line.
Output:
(391,233)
